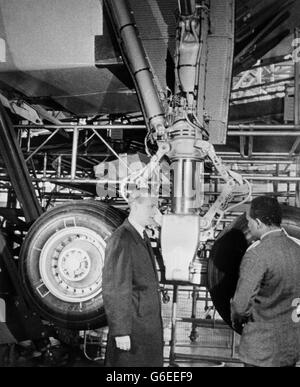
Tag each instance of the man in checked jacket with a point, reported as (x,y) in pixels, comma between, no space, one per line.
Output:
(268,291)
(131,290)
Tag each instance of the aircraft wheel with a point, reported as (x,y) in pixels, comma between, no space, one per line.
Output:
(61,263)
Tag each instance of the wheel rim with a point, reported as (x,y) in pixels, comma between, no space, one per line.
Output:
(71,264)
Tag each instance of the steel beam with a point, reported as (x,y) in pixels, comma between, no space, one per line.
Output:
(298,183)
(21,320)
(17,169)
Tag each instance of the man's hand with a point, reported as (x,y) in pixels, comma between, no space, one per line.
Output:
(123,343)
(237,320)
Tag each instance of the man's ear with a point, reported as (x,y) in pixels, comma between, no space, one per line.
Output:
(259,223)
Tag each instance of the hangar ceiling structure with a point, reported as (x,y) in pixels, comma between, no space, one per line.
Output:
(57,83)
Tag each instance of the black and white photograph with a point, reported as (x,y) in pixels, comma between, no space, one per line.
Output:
(149,186)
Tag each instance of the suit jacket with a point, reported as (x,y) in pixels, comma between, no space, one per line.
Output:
(132,300)
(268,285)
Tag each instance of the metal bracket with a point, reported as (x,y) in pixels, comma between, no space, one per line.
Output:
(232,180)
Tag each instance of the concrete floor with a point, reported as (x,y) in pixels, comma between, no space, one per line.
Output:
(186,355)
(195,347)
(14,355)
(209,348)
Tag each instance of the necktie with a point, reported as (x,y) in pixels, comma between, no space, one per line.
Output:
(149,247)
(147,241)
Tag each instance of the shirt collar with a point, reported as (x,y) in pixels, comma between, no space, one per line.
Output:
(137,226)
(270,232)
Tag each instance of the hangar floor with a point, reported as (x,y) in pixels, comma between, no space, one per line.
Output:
(15,356)
(191,344)
(187,355)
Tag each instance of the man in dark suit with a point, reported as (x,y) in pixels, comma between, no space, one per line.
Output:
(268,288)
(131,290)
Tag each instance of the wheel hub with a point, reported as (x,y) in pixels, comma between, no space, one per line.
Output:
(71,264)
(74,264)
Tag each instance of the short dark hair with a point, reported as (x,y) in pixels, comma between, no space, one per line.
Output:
(267,210)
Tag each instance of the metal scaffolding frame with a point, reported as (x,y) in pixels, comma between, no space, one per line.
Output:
(283,176)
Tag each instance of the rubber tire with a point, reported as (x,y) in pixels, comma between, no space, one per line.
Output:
(97,216)
(227,253)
